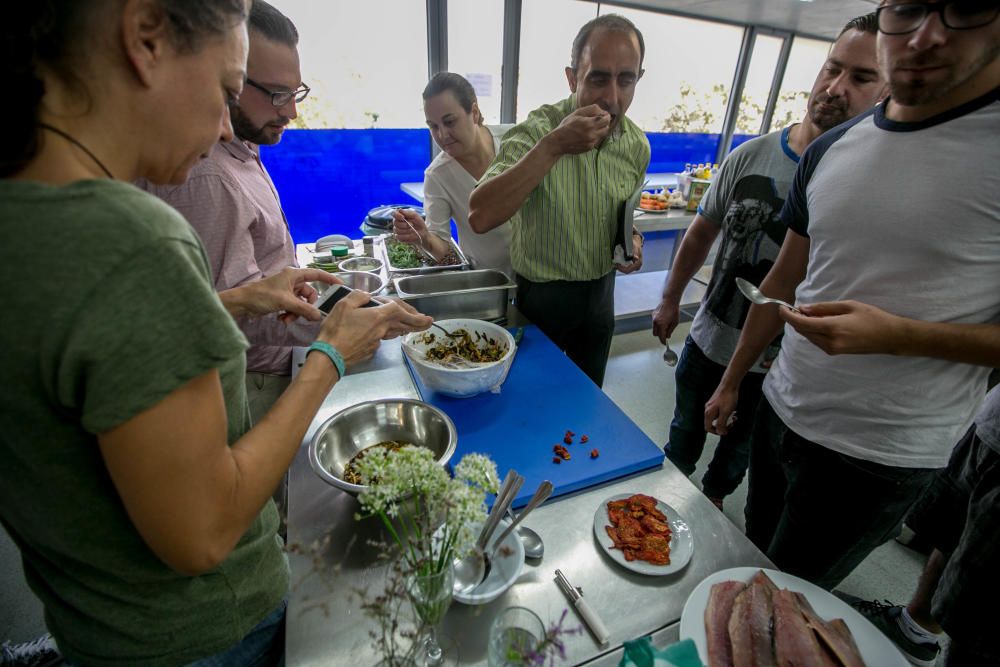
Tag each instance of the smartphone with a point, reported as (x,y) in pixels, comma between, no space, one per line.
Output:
(334,294)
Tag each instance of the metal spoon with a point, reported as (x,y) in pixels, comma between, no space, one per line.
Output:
(669,356)
(542,494)
(751,292)
(532,541)
(471,569)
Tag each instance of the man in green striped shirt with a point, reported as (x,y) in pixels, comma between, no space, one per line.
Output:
(562,178)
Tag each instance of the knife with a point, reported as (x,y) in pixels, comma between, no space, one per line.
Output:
(586,612)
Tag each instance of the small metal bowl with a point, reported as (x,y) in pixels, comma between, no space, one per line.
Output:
(362,280)
(349,431)
(369,264)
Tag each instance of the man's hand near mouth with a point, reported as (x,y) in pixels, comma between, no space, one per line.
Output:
(582,130)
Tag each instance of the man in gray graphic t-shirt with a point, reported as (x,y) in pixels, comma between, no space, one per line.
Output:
(743,204)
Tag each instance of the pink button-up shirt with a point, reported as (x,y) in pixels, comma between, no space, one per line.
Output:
(232,204)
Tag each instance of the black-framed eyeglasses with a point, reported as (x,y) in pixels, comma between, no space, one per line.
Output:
(282,97)
(905,17)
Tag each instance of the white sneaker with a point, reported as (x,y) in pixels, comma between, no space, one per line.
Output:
(40,652)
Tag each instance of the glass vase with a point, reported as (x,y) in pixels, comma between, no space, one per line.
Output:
(431,596)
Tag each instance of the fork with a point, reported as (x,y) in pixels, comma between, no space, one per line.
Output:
(447,333)
(420,243)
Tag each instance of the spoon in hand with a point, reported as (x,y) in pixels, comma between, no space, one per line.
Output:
(669,356)
(751,292)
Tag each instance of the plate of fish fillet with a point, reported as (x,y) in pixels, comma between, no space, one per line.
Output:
(643,534)
(746,616)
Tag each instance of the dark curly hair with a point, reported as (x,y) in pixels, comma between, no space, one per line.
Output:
(55,34)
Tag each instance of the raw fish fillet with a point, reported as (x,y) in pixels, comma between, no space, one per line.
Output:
(750,627)
(795,644)
(717,612)
(835,635)
(765,581)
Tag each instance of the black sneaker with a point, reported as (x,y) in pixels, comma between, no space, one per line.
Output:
(885,616)
(41,652)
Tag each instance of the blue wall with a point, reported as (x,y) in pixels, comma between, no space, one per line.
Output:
(330,179)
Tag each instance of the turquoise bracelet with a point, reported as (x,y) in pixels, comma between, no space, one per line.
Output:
(330,351)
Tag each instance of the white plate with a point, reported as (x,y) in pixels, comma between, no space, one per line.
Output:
(503,574)
(648,212)
(681,542)
(875,648)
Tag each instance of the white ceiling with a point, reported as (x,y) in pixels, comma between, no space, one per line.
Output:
(819,18)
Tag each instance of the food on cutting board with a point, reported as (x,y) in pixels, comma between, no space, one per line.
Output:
(639,529)
(563,454)
(756,623)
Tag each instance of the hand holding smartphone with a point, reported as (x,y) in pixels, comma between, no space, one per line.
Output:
(335,294)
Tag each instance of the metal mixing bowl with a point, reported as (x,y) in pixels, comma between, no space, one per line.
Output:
(349,431)
(362,280)
(369,264)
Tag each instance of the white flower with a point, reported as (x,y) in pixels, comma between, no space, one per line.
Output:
(434,515)
(479,470)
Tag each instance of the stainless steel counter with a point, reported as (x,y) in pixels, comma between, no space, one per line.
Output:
(325,622)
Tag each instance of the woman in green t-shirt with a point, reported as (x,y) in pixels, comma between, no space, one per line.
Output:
(129,477)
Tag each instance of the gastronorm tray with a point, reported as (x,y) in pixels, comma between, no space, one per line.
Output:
(463,261)
(482,294)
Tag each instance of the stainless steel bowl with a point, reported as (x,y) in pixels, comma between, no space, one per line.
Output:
(362,280)
(349,431)
(369,264)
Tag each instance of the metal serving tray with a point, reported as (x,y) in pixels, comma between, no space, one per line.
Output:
(481,294)
(463,261)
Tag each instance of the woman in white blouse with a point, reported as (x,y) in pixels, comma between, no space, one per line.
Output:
(467,148)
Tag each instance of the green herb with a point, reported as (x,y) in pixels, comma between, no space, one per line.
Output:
(404,256)
(329,268)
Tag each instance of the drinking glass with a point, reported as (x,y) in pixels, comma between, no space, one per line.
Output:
(431,596)
(515,636)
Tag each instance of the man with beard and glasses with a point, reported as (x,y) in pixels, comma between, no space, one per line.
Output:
(742,205)
(563,217)
(894,249)
(232,203)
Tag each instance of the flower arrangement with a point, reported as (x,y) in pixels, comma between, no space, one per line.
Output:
(429,514)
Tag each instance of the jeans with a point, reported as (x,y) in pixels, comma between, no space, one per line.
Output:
(264,645)
(960,513)
(578,316)
(817,513)
(697,377)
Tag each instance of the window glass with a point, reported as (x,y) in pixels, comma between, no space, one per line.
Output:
(758,84)
(366,62)
(689,71)
(475,49)
(547,31)
(804,62)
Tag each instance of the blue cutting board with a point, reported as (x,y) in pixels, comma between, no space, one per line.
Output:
(544,396)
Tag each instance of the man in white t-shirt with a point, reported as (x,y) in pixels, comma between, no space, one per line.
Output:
(743,206)
(894,247)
